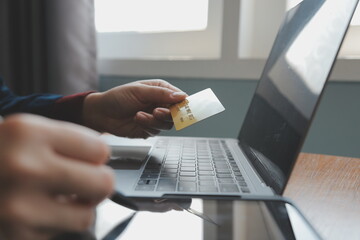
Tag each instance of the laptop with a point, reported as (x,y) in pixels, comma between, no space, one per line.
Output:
(258,164)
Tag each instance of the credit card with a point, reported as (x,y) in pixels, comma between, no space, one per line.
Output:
(195,108)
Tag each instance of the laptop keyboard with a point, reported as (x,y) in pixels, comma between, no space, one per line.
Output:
(187,165)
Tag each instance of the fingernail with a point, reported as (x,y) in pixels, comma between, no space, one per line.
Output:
(162,110)
(179,94)
(142,115)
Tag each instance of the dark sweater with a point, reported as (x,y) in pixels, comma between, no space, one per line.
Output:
(66,108)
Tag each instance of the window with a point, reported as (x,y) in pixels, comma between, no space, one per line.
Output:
(201,39)
(351,45)
(151,16)
(257,33)
(356,18)
(158,29)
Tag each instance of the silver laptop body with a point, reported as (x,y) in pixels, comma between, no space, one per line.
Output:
(257,164)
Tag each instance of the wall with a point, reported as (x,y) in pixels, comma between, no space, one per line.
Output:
(335,129)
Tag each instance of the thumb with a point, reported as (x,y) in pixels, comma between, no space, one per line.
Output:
(156,94)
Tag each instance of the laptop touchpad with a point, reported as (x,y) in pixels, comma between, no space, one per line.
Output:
(125,163)
(129,157)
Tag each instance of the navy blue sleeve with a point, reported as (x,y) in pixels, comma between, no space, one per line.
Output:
(41,104)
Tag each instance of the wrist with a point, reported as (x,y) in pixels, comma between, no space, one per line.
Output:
(91,111)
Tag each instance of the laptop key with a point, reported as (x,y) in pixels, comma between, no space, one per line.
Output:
(188,169)
(185,164)
(207,188)
(221,166)
(188,161)
(236,173)
(223,171)
(234,166)
(171,162)
(206,173)
(145,188)
(242,184)
(188,174)
(201,168)
(204,165)
(168,175)
(188,179)
(151,182)
(169,171)
(142,181)
(149,175)
(170,166)
(207,183)
(206,178)
(228,188)
(150,167)
(204,160)
(223,175)
(166,185)
(226,180)
(147,182)
(155,171)
(240,178)
(187,187)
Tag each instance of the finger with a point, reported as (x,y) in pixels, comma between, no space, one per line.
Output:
(159,95)
(70,217)
(149,121)
(90,182)
(30,232)
(65,138)
(163,114)
(78,143)
(46,215)
(20,231)
(160,83)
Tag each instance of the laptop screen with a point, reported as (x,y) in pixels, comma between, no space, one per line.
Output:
(291,84)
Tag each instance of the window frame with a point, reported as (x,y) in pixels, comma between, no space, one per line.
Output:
(351,45)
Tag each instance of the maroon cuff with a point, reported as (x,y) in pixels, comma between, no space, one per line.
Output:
(70,108)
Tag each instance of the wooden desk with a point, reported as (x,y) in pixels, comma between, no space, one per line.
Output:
(327,191)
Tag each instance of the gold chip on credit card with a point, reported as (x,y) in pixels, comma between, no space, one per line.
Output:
(195,108)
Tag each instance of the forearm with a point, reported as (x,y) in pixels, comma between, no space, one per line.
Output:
(67,108)
(70,108)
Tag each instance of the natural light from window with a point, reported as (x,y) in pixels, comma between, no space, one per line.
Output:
(355,21)
(150,16)
(356,18)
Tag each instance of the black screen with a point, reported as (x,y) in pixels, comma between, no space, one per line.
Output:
(291,84)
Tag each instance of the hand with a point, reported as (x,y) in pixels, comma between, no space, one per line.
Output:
(51,177)
(136,110)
